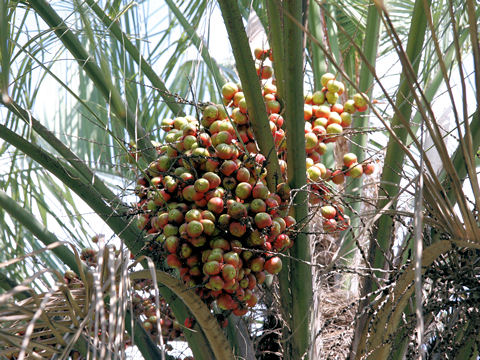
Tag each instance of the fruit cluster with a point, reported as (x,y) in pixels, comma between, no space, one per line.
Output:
(145,308)
(143,303)
(206,202)
(325,121)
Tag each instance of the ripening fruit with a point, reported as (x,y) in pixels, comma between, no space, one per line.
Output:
(355,170)
(338,177)
(346,119)
(210,112)
(328,211)
(360,101)
(349,159)
(273,265)
(332,97)
(318,97)
(329,225)
(368,168)
(326,78)
(229,90)
(259,54)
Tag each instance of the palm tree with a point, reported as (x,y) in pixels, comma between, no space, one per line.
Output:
(119,68)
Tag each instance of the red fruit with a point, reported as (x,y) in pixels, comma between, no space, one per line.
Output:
(189,322)
(232,258)
(223,221)
(273,106)
(355,170)
(236,246)
(224,151)
(228,167)
(240,311)
(258,205)
(318,97)
(255,239)
(225,302)
(307,112)
(156,223)
(208,215)
(329,225)
(229,272)
(334,130)
(265,72)
(322,111)
(328,211)
(229,183)
(215,255)
(368,169)
(193,214)
(349,159)
(211,165)
(237,229)
(194,228)
(237,210)
(338,108)
(215,205)
(272,204)
(314,173)
(263,220)
(221,244)
(185,251)
(259,54)
(256,264)
(338,177)
(169,230)
(326,77)
(211,268)
(189,194)
(252,281)
(204,140)
(173,261)
(346,119)
(281,222)
(193,260)
(142,221)
(172,244)
(332,97)
(311,141)
(243,190)
(282,242)
(279,137)
(334,118)
(231,286)
(229,90)
(198,241)
(215,283)
(260,191)
(210,112)
(208,226)
(163,163)
(289,221)
(252,301)
(273,265)
(360,101)
(283,190)
(343,222)
(213,179)
(222,137)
